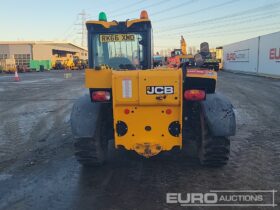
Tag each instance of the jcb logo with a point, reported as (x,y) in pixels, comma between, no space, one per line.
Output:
(158,90)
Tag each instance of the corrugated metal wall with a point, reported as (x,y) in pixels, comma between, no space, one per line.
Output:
(259,55)
(269,59)
(241,56)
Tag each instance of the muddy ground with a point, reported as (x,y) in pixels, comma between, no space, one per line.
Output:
(38,169)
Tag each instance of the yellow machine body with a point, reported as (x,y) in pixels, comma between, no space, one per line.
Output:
(149,103)
(147,116)
(66,61)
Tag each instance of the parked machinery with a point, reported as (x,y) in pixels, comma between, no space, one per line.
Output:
(180,56)
(8,65)
(68,62)
(204,58)
(158,60)
(219,57)
(79,64)
(63,62)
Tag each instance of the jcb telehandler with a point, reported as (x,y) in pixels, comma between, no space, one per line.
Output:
(143,109)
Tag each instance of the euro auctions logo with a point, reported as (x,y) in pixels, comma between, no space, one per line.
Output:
(224,198)
(192,198)
(231,56)
(274,54)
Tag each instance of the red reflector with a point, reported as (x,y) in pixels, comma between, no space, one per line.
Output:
(168,111)
(195,95)
(126,111)
(101,96)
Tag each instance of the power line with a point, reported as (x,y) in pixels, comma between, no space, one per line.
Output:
(175,7)
(226,25)
(199,23)
(127,6)
(197,11)
(70,33)
(271,29)
(65,34)
(226,33)
(147,7)
(77,29)
(234,33)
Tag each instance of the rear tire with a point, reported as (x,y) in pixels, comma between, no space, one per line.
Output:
(216,68)
(213,151)
(93,151)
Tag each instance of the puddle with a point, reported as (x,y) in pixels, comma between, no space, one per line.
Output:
(4,177)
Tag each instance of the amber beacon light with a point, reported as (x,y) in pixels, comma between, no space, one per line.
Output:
(144,15)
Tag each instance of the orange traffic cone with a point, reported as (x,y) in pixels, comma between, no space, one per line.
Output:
(17,79)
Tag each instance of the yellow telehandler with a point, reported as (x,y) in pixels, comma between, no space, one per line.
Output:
(146,110)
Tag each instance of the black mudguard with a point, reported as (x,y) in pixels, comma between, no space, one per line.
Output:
(219,115)
(84,117)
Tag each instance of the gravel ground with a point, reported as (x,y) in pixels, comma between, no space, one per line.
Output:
(38,169)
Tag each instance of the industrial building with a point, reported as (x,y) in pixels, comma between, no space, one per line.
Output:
(25,51)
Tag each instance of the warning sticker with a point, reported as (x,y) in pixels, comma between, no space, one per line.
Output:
(127,88)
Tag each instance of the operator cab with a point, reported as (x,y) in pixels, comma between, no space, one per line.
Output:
(120,45)
(176,52)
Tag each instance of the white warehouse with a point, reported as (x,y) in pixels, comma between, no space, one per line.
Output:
(260,55)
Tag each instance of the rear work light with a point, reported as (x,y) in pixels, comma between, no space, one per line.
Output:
(101,96)
(195,95)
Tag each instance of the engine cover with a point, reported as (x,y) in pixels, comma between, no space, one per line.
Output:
(149,103)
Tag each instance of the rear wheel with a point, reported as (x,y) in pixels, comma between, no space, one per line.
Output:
(93,151)
(216,68)
(213,151)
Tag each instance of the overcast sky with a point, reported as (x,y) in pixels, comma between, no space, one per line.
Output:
(217,21)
